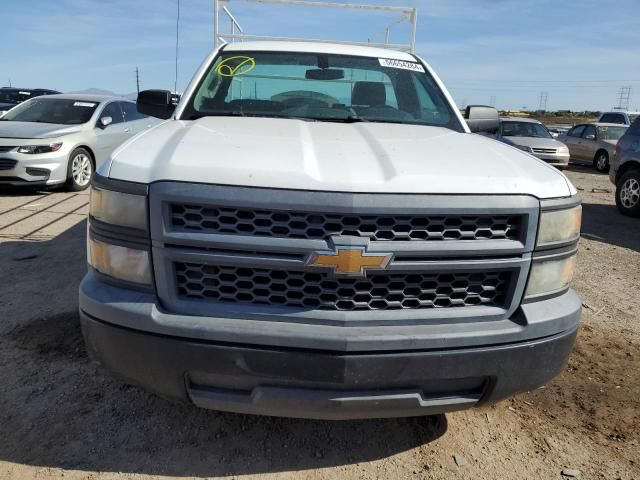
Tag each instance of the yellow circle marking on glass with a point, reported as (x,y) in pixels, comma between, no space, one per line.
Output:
(227,69)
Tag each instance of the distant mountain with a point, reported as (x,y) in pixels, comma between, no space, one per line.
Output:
(99,91)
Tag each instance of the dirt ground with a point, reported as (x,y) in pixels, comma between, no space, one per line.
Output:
(62,416)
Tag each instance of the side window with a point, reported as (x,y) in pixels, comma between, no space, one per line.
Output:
(113,110)
(577,131)
(589,130)
(131,112)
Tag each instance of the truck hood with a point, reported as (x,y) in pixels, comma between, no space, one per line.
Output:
(35,130)
(357,157)
(534,142)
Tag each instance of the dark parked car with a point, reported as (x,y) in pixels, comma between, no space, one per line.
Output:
(625,171)
(10,97)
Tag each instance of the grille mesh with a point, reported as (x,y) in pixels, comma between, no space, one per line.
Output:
(7,164)
(307,225)
(383,291)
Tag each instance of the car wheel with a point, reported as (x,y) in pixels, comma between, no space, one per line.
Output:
(601,161)
(628,193)
(80,170)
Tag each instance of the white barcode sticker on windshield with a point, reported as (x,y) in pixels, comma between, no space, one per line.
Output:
(415,67)
(84,104)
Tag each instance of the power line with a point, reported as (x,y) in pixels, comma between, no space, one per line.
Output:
(492,100)
(624,98)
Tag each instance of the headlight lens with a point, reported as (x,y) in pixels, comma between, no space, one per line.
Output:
(124,263)
(558,226)
(117,208)
(524,148)
(547,277)
(33,149)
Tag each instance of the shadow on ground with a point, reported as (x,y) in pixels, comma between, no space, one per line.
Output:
(604,223)
(59,409)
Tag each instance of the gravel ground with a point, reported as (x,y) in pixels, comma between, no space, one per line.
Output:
(61,416)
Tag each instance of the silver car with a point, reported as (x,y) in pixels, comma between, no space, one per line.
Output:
(533,137)
(594,143)
(61,139)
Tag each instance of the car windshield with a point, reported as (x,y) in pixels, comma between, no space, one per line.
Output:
(52,110)
(524,129)
(611,133)
(321,87)
(632,117)
(13,96)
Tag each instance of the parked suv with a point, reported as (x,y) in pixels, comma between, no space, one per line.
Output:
(625,171)
(316,233)
(618,116)
(10,97)
(593,143)
(532,136)
(60,139)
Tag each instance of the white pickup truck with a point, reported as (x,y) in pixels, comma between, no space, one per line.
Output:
(315,232)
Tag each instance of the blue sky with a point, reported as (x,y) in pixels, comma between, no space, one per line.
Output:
(579,52)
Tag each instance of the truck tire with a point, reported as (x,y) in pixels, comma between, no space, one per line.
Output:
(601,161)
(79,170)
(628,193)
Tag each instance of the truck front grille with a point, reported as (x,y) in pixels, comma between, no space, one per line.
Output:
(315,225)
(323,291)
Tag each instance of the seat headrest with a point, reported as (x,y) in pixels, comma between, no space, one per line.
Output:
(369,94)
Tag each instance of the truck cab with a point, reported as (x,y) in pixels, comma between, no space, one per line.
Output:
(315,232)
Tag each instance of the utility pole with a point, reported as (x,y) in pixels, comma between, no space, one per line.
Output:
(624,98)
(544,97)
(137,80)
(175,85)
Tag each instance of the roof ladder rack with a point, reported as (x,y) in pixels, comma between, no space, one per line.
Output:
(236,31)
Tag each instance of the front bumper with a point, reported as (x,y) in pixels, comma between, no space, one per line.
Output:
(44,169)
(248,371)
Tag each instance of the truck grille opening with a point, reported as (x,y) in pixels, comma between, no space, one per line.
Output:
(314,225)
(323,291)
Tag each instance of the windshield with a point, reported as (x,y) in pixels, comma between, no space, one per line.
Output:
(320,87)
(632,117)
(52,110)
(13,96)
(524,129)
(611,133)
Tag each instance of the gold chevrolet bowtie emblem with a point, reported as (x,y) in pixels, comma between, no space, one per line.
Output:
(352,261)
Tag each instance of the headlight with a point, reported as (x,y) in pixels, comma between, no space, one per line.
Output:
(117,208)
(524,148)
(118,242)
(559,226)
(32,149)
(129,264)
(550,276)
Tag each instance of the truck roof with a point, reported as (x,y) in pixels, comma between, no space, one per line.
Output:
(318,47)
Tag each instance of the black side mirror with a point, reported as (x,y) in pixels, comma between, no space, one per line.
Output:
(156,103)
(482,118)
